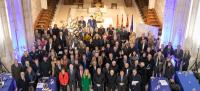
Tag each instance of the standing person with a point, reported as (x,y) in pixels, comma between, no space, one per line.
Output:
(64,79)
(16,68)
(79,76)
(57,70)
(178,53)
(31,78)
(134,81)
(143,73)
(86,81)
(98,80)
(111,81)
(186,59)
(81,23)
(169,71)
(72,78)
(159,61)
(45,67)
(22,83)
(121,81)
(92,22)
(168,50)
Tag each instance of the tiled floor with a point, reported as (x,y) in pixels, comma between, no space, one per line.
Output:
(63,12)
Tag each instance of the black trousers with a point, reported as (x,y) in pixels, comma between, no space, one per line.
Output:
(73,86)
(110,88)
(121,88)
(98,88)
(63,87)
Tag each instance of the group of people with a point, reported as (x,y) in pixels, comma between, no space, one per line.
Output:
(102,59)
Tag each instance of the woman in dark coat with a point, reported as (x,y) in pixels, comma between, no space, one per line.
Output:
(186,58)
(111,81)
(22,84)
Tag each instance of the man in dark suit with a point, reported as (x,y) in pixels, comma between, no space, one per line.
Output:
(50,45)
(178,53)
(159,62)
(101,30)
(16,68)
(79,75)
(81,23)
(26,57)
(134,81)
(127,69)
(143,73)
(143,37)
(121,81)
(45,67)
(168,50)
(142,46)
(57,70)
(123,35)
(72,78)
(62,40)
(92,22)
(55,30)
(98,80)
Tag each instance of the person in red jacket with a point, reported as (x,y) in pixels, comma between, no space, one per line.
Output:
(63,79)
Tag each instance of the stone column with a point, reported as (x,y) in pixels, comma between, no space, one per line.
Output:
(175,21)
(6,49)
(17,26)
(192,41)
(28,22)
(168,18)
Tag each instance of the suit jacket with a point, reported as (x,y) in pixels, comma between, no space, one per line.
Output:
(134,87)
(22,85)
(72,76)
(98,79)
(81,24)
(57,70)
(169,72)
(45,68)
(140,47)
(168,51)
(178,54)
(62,41)
(123,35)
(92,23)
(48,46)
(79,76)
(122,82)
(16,71)
(127,71)
(55,31)
(111,81)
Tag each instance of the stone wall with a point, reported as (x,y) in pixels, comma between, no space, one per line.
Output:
(159,7)
(35,8)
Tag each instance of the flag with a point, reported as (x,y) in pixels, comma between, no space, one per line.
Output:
(117,22)
(127,22)
(122,21)
(131,28)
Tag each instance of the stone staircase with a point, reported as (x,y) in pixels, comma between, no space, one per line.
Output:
(149,15)
(46,15)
